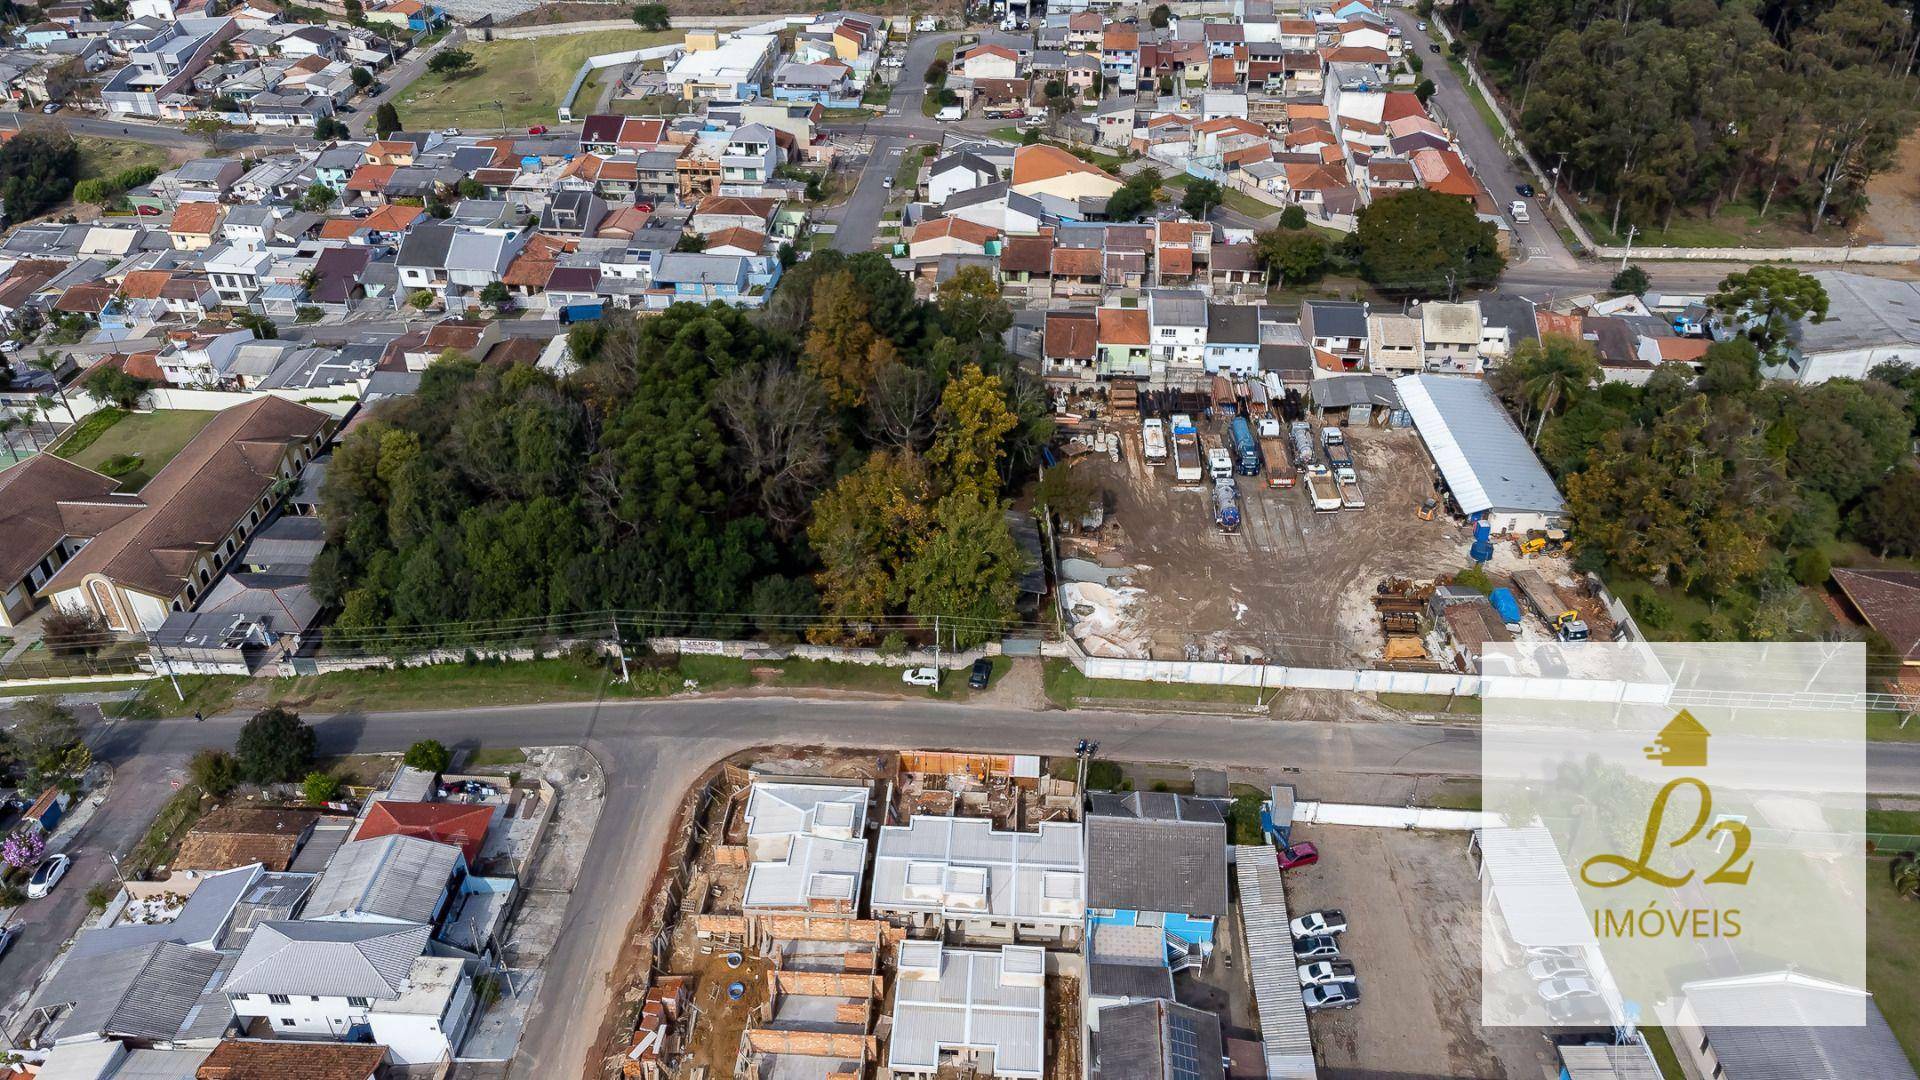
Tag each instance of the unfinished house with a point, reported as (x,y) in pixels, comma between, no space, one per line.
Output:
(1010,790)
(969,1011)
(971,883)
(814,1025)
(806,847)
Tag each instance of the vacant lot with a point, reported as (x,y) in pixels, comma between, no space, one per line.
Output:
(105,157)
(515,83)
(1414,908)
(1893,958)
(154,438)
(1291,585)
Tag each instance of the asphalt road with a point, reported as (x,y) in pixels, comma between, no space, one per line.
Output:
(860,218)
(394,82)
(1481,146)
(652,751)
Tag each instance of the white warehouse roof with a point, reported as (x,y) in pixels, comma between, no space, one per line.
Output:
(1480,451)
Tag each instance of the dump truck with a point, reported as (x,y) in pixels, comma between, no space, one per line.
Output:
(1279,464)
(1544,599)
(1349,483)
(1322,490)
(1153,441)
(1186,451)
(1226,505)
(1338,456)
(1246,452)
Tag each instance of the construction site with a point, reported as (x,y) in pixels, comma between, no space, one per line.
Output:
(767,963)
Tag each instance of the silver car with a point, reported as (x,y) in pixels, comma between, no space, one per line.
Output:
(1344,994)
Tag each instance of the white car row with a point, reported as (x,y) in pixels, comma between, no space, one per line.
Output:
(1327,980)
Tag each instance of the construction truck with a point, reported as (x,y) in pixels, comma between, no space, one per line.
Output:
(1186,450)
(1226,505)
(1544,599)
(1153,440)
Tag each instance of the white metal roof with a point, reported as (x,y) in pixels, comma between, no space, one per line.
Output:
(964,867)
(1531,886)
(988,1001)
(1276,986)
(1481,452)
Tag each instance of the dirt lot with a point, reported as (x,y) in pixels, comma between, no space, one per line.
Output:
(1414,908)
(1292,585)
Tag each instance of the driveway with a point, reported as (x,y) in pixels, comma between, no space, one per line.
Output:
(1481,146)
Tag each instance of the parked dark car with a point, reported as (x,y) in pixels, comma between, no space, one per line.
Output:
(982,671)
(1525,190)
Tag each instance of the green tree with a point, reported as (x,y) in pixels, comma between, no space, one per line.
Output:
(451,63)
(971,308)
(214,772)
(970,439)
(1136,197)
(37,171)
(362,78)
(1766,301)
(1201,197)
(1425,241)
(110,384)
(1160,16)
(495,294)
(318,198)
(651,16)
(1295,256)
(328,128)
(429,755)
(1293,217)
(967,570)
(44,741)
(783,607)
(1425,90)
(1546,376)
(864,529)
(211,128)
(843,350)
(1631,280)
(469,188)
(320,788)
(1888,519)
(275,746)
(386,119)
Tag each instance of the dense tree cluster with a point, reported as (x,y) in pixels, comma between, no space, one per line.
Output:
(37,170)
(1721,484)
(1420,242)
(843,455)
(1685,103)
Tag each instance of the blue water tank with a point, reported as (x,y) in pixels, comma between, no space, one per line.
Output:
(1482,549)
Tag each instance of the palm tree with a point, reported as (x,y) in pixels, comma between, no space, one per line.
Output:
(7,424)
(50,363)
(1558,374)
(27,413)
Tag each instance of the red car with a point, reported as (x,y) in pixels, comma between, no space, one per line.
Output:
(644,207)
(537,129)
(1297,855)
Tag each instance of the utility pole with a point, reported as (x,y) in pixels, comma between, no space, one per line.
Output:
(169,665)
(1632,231)
(936,654)
(620,648)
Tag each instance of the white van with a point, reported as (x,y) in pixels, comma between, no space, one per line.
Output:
(951,112)
(1519,210)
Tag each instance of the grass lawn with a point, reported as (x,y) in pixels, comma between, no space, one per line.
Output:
(1065,685)
(930,100)
(359,770)
(208,694)
(1432,703)
(496,755)
(1893,958)
(90,427)
(154,437)
(1455,795)
(56,689)
(103,157)
(1238,201)
(526,77)
(907,176)
(1736,225)
(1663,1053)
(877,93)
(1883,725)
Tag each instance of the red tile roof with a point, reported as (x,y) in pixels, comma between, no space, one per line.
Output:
(464,825)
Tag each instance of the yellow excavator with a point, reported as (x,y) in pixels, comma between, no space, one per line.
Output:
(1543,542)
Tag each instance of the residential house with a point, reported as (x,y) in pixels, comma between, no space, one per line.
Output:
(1048,170)
(1450,337)
(806,847)
(1125,341)
(1233,340)
(155,552)
(354,980)
(1178,318)
(1070,345)
(1337,328)
(1778,1024)
(717,212)
(747,164)
(958,172)
(735,69)
(1394,346)
(275,1059)
(931,240)
(1868,323)
(1159,861)
(988,1007)
(235,836)
(981,884)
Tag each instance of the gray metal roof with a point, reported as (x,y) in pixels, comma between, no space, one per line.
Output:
(1156,852)
(1346,391)
(1480,451)
(1269,960)
(202,919)
(1337,318)
(1157,1040)
(143,992)
(1862,312)
(332,959)
(1781,1050)
(392,877)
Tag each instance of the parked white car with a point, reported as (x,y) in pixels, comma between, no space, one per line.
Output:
(1519,210)
(1325,971)
(47,875)
(1317,923)
(1555,967)
(1567,989)
(920,676)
